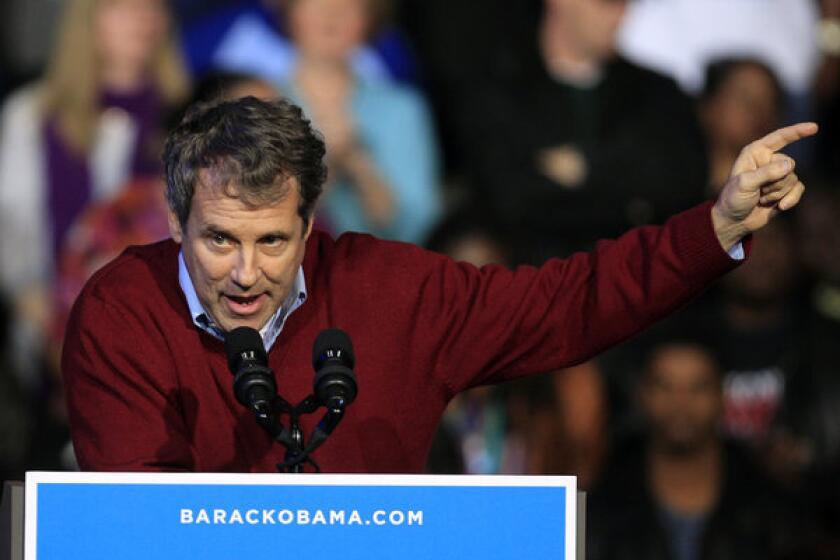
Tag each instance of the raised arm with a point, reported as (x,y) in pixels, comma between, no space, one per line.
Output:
(530,320)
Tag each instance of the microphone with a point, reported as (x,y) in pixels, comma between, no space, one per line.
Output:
(333,360)
(253,382)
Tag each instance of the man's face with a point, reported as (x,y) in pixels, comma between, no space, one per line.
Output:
(746,107)
(681,397)
(242,259)
(328,29)
(593,24)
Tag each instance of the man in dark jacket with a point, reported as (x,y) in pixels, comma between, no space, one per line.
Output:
(682,492)
(578,140)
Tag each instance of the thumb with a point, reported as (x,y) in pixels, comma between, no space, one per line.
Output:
(777,169)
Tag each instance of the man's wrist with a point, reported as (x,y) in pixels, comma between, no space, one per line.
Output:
(728,231)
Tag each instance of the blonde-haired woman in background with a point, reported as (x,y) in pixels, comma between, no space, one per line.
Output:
(79,135)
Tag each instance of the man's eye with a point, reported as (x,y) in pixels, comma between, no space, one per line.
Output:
(219,239)
(272,240)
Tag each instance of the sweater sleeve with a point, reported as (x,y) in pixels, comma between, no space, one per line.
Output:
(123,403)
(495,324)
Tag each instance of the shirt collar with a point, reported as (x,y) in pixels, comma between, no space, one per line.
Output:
(269,332)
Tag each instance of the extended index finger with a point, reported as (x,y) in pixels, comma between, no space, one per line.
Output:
(778,139)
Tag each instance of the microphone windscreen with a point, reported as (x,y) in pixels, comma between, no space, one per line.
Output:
(244,340)
(333,343)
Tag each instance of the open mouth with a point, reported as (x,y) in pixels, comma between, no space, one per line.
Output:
(243,300)
(244,305)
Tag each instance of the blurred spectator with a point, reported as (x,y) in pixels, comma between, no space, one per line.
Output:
(819,235)
(471,235)
(742,100)
(757,322)
(462,43)
(761,332)
(224,85)
(256,41)
(78,135)
(682,492)
(780,357)
(827,90)
(15,421)
(778,349)
(136,217)
(681,37)
(819,240)
(578,144)
(26,35)
(575,424)
(381,150)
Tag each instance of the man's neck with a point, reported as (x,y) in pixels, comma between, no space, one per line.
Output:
(689,481)
(323,78)
(563,58)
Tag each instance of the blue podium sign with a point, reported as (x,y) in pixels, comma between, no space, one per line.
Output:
(165,516)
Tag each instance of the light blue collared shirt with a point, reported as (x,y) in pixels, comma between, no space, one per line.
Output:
(269,332)
(737,251)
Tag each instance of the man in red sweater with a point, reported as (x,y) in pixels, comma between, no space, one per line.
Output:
(144,362)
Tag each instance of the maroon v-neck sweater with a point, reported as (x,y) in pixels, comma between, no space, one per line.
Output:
(148,390)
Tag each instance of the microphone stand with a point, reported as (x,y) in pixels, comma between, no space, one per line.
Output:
(295,456)
(334,387)
(297,451)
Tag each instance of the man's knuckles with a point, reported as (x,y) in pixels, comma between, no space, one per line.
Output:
(785,183)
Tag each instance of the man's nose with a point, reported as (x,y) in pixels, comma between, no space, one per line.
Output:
(246,271)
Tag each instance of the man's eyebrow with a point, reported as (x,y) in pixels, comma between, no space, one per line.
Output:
(284,235)
(213,229)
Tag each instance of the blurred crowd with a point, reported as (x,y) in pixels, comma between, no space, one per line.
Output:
(498,133)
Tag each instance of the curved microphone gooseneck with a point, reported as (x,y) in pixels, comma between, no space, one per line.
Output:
(334,387)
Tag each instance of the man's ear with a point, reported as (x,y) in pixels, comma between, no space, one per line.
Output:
(174,226)
(309,223)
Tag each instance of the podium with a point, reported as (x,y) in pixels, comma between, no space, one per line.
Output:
(220,516)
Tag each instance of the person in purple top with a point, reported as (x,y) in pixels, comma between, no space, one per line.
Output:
(78,135)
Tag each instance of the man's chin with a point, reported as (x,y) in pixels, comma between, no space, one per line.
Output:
(234,323)
(228,322)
